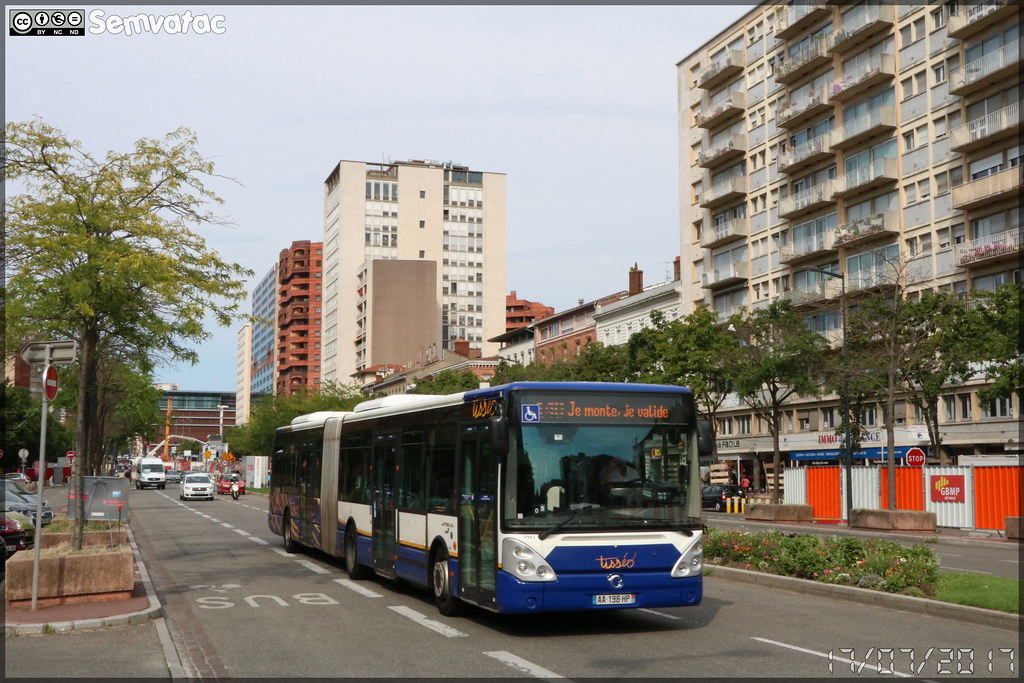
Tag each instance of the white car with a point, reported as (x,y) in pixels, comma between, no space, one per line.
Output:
(195,485)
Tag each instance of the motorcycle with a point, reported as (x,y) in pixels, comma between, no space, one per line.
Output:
(234,490)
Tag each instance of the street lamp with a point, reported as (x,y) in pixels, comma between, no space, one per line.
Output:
(220,433)
(847,440)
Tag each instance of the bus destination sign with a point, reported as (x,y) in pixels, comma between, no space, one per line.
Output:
(605,408)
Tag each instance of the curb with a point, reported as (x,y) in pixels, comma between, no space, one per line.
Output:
(154,611)
(973,537)
(866,596)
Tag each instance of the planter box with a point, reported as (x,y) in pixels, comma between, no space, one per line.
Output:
(901,520)
(1013,527)
(89,538)
(766,512)
(71,578)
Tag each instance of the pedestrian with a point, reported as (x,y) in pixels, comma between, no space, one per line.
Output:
(745,484)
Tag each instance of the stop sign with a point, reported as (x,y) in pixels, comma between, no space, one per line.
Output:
(915,457)
(50,382)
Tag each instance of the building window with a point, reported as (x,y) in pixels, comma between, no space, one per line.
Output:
(869,416)
(423,194)
(828,418)
(998,407)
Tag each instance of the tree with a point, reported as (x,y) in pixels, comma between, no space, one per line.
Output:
(778,356)
(448,382)
(22,423)
(102,251)
(998,313)
(256,437)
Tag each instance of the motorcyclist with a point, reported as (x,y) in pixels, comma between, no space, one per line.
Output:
(234,486)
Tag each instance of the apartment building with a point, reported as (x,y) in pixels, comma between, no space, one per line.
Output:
(264,335)
(299,293)
(243,376)
(877,141)
(407,211)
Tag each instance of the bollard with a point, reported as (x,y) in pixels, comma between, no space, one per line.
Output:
(743,506)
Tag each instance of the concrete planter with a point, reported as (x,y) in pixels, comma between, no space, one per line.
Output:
(98,575)
(767,512)
(89,538)
(1013,527)
(893,520)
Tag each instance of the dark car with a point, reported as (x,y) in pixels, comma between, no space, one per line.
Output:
(715,496)
(17,536)
(173,476)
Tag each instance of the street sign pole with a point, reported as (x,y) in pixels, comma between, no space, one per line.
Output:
(41,478)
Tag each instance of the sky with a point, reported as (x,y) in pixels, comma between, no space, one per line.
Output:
(576,104)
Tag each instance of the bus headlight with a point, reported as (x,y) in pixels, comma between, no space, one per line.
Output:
(524,563)
(691,562)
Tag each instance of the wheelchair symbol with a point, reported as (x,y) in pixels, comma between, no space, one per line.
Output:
(531,413)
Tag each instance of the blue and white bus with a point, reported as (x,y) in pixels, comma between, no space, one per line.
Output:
(526,497)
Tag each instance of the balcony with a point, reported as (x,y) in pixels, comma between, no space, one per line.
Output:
(987,129)
(803,155)
(1005,184)
(856,31)
(975,18)
(863,230)
(819,292)
(734,147)
(878,172)
(884,276)
(808,247)
(806,200)
(985,250)
(722,112)
(803,63)
(730,231)
(721,70)
(861,78)
(875,122)
(983,72)
(796,18)
(734,274)
(724,192)
(795,112)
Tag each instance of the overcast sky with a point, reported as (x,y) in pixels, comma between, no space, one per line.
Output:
(576,104)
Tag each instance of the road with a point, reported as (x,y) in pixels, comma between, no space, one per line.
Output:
(238,606)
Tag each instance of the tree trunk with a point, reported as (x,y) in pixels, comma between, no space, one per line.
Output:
(88,363)
(776,455)
(931,416)
(890,441)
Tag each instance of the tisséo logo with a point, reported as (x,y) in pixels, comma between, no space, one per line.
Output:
(46,22)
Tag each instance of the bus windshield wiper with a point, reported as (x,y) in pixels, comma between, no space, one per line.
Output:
(575,513)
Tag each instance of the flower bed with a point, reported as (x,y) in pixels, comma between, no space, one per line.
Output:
(848,561)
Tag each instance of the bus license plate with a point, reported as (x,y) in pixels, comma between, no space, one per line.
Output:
(615,599)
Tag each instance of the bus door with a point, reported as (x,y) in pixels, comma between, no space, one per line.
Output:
(384,512)
(310,452)
(478,518)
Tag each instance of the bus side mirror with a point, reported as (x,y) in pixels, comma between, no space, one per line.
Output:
(498,430)
(705,438)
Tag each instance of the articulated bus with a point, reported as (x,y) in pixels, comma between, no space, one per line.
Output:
(522,498)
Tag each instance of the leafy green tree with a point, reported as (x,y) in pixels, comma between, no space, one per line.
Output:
(998,313)
(103,251)
(22,423)
(600,363)
(778,356)
(256,437)
(448,382)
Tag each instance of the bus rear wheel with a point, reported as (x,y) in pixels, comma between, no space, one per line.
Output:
(355,570)
(447,604)
(290,546)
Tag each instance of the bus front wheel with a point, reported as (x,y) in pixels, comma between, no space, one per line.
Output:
(447,604)
(290,546)
(355,570)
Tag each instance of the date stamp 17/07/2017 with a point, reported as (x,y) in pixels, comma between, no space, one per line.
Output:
(940,661)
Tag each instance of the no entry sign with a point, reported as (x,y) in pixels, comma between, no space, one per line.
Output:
(50,382)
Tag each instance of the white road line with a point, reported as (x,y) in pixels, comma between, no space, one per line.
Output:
(660,614)
(446,631)
(972,571)
(215,520)
(279,551)
(353,586)
(521,664)
(258,540)
(237,531)
(226,525)
(825,655)
(313,567)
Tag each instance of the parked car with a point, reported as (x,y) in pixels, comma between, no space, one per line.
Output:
(16,487)
(24,521)
(173,476)
(17,536)
(225,485)
(195,485)
(17,476)
(714,496)
(19,503)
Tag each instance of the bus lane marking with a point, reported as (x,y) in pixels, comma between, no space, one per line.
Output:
(362,590)
(313,567)
(520,664)
(660,614)
(226,525)
(422,620)
(825,655)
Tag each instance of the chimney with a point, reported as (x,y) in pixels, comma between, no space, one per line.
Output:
(677,270)
(636,280)
(461,347)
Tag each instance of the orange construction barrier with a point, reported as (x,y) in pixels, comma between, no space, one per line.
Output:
(997,495)
(909,488)
(823,492)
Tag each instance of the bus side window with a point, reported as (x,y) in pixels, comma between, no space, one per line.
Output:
(411,494)
(441,482)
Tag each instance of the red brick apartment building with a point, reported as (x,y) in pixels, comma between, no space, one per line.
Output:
(520,312)
(299,278)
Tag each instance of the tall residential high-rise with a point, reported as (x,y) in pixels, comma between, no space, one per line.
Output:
(877,141)
(406,212)
(243,374)
(299,279)
(264,337)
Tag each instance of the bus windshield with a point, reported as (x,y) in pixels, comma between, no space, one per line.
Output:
(602,476)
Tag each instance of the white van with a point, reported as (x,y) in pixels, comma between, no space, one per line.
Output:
(149,472)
